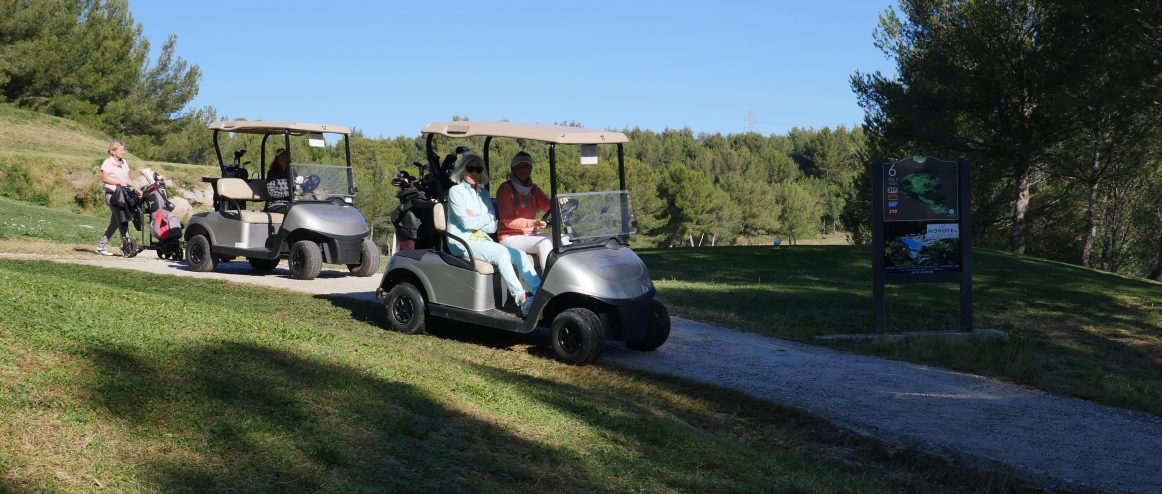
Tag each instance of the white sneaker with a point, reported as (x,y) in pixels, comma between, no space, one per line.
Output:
(102,251)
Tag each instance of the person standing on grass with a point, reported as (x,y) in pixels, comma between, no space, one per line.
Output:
(114,174)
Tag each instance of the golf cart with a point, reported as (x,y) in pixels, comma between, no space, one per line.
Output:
(593,286)
(321,224)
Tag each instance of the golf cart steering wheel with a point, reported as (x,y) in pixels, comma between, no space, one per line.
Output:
(310,183)
(567,207)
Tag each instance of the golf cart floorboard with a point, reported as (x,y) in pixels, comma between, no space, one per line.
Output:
(496,318)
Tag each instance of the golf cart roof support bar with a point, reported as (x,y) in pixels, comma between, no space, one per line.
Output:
(218,151)
(487,168)
(620,166)
(350,171)
(553,197)
(262,157)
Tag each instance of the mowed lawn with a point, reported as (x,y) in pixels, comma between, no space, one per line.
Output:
(121,381)
(1072,330)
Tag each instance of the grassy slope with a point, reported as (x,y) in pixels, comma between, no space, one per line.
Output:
(1073,330)
(120,381)
(54,162)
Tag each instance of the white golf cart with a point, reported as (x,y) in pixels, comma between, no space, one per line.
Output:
(593,286)
(321,225)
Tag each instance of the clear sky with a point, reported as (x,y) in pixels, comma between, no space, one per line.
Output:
(388,67)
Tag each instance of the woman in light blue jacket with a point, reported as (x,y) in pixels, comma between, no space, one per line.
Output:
(472,218)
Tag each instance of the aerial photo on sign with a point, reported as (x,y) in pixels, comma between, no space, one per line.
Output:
(922,248)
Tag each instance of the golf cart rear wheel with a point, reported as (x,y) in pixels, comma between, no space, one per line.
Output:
(657,331)
(368,260)
(404,306)
(305,260)
(198,253)
(578,336)
(262,265)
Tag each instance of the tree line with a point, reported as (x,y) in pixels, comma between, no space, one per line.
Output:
(1056,104)
(686,189)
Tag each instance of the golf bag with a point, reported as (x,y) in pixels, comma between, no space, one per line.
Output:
(165,229)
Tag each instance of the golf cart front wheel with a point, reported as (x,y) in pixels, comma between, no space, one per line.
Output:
(577,336)
(405,310)
(368,260)
(657,331)
(198,253)
(305,260)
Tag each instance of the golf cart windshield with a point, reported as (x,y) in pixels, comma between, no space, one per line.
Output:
(321,182)
(592,218)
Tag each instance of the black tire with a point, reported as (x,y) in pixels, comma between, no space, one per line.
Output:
(198,253)
(305,260)
(657,331)
(577,336)
(162,254)
(405,309)
(262,265)
(368,260)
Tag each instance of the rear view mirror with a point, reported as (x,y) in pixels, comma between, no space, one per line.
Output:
(588,154)
(315,140)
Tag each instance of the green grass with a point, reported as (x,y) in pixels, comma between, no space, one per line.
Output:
(120,381)
(21,220)
(1072,330)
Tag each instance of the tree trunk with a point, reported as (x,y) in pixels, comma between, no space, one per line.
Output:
(1156,273)
(1020,211)
(1090,225)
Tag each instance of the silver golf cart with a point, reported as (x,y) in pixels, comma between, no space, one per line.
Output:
(321,225)
(593,286)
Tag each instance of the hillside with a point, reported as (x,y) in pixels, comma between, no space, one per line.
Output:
(54,162)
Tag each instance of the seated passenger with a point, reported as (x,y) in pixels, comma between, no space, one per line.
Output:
(519,202)
(278,183)
(471,218)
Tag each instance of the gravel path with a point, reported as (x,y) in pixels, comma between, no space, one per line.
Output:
(1058,442)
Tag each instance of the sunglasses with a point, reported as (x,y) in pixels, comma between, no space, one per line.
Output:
(474,169)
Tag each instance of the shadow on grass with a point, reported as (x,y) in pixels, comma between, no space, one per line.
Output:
(251,418)
(371,312)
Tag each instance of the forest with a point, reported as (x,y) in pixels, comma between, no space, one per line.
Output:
(1057,105)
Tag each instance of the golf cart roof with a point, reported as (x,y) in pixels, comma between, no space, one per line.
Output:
(558,134)
(268,127)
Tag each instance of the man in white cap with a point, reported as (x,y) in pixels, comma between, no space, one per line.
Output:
(519,203)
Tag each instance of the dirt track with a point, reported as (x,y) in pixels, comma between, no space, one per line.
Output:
(1060,443)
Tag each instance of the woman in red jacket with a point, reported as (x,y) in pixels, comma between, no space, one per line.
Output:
(519,203)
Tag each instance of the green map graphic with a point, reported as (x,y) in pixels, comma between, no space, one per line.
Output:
(923,185)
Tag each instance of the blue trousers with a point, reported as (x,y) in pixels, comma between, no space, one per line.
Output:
(504,258)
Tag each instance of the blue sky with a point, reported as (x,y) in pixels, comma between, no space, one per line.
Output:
(388,67)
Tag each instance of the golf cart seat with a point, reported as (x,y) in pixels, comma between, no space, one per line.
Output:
(439,222)
(234,190)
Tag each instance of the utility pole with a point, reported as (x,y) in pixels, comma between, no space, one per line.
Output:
(749,121)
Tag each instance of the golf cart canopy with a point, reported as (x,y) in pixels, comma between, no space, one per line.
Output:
(268,127)
(557,134)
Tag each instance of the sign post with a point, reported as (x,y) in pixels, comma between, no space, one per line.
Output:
(921,229)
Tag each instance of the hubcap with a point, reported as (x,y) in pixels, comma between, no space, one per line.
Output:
(568,339)
(402,310)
